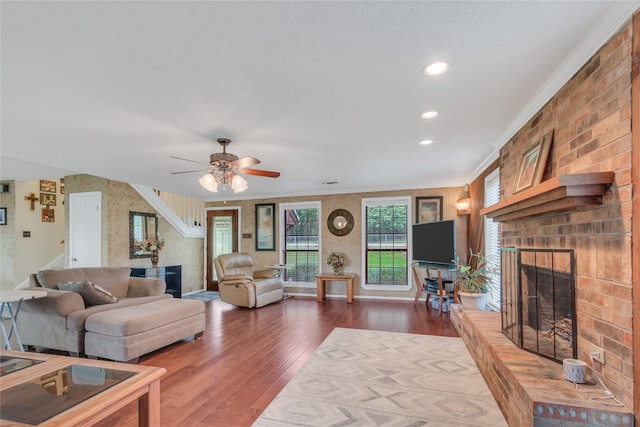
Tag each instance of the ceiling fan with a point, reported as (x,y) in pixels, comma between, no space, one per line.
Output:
(225,169)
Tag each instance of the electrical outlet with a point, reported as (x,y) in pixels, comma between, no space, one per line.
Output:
(597,353)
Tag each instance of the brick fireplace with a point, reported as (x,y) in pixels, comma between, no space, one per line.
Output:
(590,117)
(529,389)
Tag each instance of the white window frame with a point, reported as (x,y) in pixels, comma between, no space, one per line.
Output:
(377,201)
(300,205)
(491,236)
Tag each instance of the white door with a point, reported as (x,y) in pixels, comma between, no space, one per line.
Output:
(85,229)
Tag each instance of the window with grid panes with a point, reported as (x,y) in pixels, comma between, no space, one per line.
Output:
(301,240)
(385,241)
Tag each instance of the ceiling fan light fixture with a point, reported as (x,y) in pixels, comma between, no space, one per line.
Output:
(208,181)
(238,184)
(436,69)
(224,170)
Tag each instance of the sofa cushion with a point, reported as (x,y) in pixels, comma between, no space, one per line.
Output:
(76,320)
(113,279)
(264,286)
(91,294)
(146,317)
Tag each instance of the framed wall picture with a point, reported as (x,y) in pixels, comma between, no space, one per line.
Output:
(48,215)
(265,227)
(532,163)
(428,209)
(47,186)
(3,216)
(47,199)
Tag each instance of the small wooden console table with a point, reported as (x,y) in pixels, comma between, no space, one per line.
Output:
(322,290)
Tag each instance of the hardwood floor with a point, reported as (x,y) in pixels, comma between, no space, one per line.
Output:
(246,356)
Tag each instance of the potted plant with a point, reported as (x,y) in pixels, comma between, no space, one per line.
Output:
(472,280)
(336,261)
(153,244)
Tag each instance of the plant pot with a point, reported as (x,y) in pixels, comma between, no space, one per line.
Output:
(473,301)
(338,271)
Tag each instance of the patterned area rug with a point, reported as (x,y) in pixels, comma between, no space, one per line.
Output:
(203,296)
(373,378)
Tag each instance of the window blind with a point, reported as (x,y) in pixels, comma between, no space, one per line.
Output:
(301,241)
(386,241)
(492,238)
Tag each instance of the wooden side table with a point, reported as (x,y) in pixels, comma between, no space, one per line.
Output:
(322,290)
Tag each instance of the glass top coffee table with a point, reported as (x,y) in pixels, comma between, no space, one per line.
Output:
(39,389)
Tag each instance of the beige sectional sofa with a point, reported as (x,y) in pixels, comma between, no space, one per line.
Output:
(133,315)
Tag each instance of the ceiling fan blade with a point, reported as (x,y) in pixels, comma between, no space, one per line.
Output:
(198,170)
(188,160)
(245,162)
(258,172)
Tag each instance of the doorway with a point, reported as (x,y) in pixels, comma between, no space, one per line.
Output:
(85,229)
(222,238)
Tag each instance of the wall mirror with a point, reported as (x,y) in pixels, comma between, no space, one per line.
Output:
(142,226)
(340,222)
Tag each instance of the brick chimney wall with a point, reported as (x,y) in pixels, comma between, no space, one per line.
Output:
(591,119)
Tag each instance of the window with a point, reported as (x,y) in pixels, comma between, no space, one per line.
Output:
(300,238)
(492,238)
(385,243)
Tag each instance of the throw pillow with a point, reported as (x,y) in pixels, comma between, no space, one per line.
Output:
(91,294)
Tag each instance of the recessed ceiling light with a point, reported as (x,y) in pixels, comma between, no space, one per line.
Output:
(430,115)
(426,142)
(436,69)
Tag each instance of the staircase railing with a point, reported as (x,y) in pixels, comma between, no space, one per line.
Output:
(184,213)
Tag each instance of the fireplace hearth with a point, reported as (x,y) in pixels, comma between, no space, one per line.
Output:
(538,301)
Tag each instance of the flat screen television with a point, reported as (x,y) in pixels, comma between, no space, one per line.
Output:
(434,242)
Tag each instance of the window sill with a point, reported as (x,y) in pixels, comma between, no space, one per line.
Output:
(395,288)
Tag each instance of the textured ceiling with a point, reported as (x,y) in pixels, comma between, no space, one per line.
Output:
(319,91)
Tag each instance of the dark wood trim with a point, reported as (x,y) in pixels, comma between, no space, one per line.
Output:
(212,284)
(475,226)
(558,194)
(635,209)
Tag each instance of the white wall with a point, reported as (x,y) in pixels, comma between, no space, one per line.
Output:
(47,238)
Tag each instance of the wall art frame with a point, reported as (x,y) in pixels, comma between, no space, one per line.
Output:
(48,215)
(533,163)
(47,186)
(265,227)
(428,209)
(47,199)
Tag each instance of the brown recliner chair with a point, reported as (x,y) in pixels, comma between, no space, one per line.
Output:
(239,283)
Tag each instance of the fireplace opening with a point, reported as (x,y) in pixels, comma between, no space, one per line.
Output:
(538,301)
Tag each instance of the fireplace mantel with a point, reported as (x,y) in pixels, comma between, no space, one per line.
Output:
(559,194)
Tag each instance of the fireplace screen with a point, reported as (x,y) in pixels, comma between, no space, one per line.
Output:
(538,301)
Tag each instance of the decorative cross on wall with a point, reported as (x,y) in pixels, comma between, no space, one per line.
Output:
(33,199)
